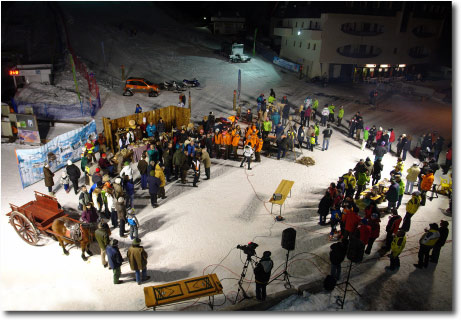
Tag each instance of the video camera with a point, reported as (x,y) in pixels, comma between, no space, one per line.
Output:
(249,249)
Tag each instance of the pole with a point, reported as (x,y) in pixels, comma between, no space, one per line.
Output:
(190,108)
(239,86)
(235,100)
(123,72)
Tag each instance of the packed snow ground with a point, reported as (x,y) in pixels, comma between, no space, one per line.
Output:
(195,230)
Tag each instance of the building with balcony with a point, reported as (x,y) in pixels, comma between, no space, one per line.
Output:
(356,40)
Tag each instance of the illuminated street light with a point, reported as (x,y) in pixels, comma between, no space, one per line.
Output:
(299,32)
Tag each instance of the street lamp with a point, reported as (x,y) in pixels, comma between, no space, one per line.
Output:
(299,32)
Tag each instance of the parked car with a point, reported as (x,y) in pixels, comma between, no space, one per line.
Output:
(133,85)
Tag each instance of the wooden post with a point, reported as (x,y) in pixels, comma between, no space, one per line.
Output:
(189,101)
(123,72)
(235,100)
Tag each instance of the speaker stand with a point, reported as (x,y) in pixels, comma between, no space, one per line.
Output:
(347,282)
(286,275)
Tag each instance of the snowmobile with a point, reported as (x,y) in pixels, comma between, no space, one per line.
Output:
(191,83)
(173,86)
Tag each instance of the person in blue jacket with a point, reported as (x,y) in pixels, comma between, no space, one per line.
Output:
(150,129)
(115,260)
(129,191)
(138,109)
(275,119)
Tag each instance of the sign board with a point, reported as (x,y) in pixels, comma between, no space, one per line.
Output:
(286,64)
(67,146)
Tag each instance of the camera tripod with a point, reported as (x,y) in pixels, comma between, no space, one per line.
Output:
(286,275)
(339,300)
(242,276)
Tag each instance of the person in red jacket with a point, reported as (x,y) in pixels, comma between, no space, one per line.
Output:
(365,231)
(391,229)
(351,220)
(374,223)
(391,139)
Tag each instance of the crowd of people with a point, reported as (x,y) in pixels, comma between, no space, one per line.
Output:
(109,190)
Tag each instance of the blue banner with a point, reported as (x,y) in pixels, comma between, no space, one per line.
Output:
(67,146)
(286,64)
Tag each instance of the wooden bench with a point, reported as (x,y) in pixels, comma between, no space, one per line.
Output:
(182,290)
(284,189)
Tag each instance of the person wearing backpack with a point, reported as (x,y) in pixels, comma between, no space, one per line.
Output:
(133,223)
(262,275)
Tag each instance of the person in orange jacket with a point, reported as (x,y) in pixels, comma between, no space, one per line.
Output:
(227,141)
(217,141)
(426,185)
(258,148)
(235,141)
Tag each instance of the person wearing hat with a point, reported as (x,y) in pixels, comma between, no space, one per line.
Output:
(127,171)
(426,185)
(374,222)
(74,174)
(262,275)
(138,109)
(89,146)
(105,164)
(132,222)
(121,215)
(326,137)
(397,246)
(154,183)
(49,183)
(129,191)
(89,214)
(84,198)
(426,243)
(137,257)
(412,176)
(365,138)
(118,189)
(114,257)
(338,251)
(362,181)
(65,181)
(102,237)
(443,230)
(411,208)
(401,143)
(380,151)
(97,177)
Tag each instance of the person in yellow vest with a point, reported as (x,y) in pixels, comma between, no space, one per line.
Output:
(253,138)
(227,141)
(397,246)
(271,99)
(89,145)
(258,148)
(235,141)
(217,141)
(426,243)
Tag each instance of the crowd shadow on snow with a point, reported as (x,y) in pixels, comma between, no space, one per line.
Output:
(154,223)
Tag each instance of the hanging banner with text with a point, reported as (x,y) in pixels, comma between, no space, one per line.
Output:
(67,146)
(286,64)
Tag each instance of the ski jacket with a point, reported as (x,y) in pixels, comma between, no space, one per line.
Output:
(349,181)
(248,151)
(380,151)
(397,245)
(393,224)
(392,195)
(325,112)
(341,113)
(351,220)
(430,238)
(365,233)
(426,183)
(337,253)
(413,205)
(263,270)
(114,257)
(327,133)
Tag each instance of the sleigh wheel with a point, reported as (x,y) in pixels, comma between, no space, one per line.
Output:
(24,228)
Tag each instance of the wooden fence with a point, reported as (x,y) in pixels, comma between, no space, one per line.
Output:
(173,117)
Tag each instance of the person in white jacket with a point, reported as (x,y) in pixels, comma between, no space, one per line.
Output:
(325,114)
(247,153)
(127,171)
(111,208)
